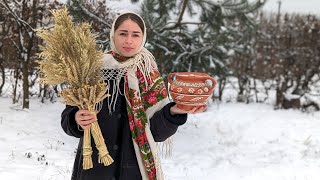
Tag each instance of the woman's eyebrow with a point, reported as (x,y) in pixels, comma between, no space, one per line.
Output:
(136,32)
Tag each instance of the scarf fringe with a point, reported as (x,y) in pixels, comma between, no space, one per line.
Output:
(165,148)
(113,71)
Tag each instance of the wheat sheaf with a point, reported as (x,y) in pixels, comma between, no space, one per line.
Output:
(70,56)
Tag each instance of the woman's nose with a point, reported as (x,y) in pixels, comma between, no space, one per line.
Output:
(128,40)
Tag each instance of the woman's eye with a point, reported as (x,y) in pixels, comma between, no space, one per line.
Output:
(123,34)
(136,35)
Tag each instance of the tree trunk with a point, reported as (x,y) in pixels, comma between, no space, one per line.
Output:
(25,76)
(280,91)
(15,85)
(279,97)
(242,82)
(43,92)
(3,76)
(222,83)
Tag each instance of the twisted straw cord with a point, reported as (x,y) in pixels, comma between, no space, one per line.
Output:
(104,156)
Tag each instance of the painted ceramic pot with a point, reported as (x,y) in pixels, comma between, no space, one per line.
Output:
(190,89)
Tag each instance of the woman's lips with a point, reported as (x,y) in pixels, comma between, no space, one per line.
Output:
(128,48)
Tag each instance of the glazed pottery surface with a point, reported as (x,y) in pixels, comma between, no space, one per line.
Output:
(190,89)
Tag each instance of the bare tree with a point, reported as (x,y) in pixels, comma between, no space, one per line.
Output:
(27,17)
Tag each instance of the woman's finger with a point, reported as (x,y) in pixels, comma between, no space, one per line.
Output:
(192,110)
(203,108)
(87,116)
(86,123)
(89,120)
(85,126)
(198,109)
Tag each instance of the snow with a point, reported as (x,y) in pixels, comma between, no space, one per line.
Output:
(229,141)
(294,6)
(117,5)
(123,5)
(35,132)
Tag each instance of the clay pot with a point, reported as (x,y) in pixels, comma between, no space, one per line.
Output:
(190,89)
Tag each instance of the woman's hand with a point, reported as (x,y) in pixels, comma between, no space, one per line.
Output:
(175,110)
(84,118)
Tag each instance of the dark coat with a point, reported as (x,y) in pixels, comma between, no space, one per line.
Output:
(116,132)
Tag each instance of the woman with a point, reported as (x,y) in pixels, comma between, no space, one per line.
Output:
(135,115)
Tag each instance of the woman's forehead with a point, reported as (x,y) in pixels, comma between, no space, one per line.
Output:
(129,26)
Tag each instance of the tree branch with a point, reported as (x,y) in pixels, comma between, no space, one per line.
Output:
(85,10)
(193,23)
(167,51)
(19,21)
(178,23)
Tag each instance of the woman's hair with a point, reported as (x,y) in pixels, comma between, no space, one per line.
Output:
(130,16)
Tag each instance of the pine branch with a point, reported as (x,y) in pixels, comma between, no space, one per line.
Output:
(178,23)
(185,23)
(167,51)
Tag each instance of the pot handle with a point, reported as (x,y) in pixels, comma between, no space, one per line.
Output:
(171,77)
(211,80)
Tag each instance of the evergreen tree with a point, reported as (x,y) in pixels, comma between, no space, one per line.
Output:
(198,35)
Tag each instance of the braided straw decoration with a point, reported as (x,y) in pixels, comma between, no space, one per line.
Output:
(87,150)
(104,156)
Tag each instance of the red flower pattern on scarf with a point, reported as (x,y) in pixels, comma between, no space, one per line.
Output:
(164,92)
(152,100)
(141,140)
(139,124)
(151,175)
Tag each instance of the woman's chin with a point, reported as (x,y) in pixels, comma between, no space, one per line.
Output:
(128,54)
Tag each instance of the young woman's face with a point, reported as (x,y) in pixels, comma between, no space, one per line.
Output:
(128,38)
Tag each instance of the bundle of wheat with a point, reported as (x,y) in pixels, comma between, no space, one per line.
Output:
(70,56)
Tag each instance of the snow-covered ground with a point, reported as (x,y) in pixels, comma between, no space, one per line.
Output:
(230,141)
